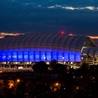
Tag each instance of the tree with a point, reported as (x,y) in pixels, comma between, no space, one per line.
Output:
(59,68)
(40,67)
(53,63)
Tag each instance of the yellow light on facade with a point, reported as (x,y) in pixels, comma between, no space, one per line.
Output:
(77,87)
(64,88)
(0,71)
(57,84)
(18,80)
(47,62)
(93,37)
(74,77)
(71,62)
(11,85)
(55,89)
(81,76)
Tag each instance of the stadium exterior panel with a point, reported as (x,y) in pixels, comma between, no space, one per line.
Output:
(36,47)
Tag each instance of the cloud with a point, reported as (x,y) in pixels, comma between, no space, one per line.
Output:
(50,5)
(69,8)
(92,8)
(27,4)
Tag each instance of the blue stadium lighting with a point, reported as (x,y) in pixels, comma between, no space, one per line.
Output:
(60,56)
(72,56)
(43,56)
(48,56)
(26,56)
(3,56)
(54,55)
(66,56)
(20,56)
(14,56)
(8,56)
(35,55)
(31,56)
(78,56)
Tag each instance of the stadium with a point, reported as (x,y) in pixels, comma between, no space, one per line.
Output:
(34,47)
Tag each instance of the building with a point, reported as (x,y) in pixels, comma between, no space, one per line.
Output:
(33,47)
(5,34)
(95,38)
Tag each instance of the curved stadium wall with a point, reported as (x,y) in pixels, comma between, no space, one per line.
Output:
(43,47)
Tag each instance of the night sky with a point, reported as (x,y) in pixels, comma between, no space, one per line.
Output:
(70,16)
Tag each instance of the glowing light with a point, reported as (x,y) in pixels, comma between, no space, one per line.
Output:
(20,67)
(33,55)
(54,55)
(0,71)
(71,34)
(18,80)
(74,77)
(62,32)
(57,85)
(81,76)
(77,87)
(10,34)
(93,37)
(54,90)
(11,85)
(1,36)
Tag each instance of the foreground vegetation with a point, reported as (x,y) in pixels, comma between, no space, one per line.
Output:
(54,80)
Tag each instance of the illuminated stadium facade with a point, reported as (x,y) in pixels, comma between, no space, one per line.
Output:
(30,48)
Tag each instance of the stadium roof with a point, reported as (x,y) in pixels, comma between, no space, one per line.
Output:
(46,40)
